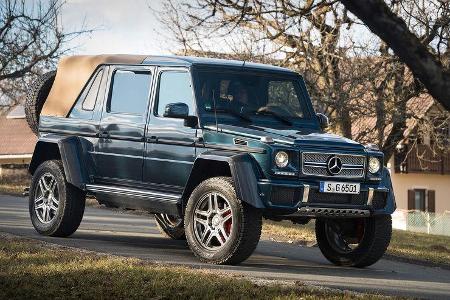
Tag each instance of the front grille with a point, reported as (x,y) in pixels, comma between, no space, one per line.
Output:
(317,197)
(315,164)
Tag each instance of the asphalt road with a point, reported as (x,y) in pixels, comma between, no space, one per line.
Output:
(120,233)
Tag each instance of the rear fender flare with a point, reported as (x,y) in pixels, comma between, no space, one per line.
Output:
(69,150)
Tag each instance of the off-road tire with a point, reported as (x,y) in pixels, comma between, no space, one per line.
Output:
(71,202)
(247,223)
(36,97)
(372,246)
(168,230)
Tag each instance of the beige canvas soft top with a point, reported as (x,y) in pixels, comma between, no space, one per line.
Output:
(72,75)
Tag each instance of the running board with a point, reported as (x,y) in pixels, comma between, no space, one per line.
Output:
(331,212)
(130,198)
(131,192)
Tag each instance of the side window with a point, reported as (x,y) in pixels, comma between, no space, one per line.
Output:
(129,92)
(174,86)
(84,109)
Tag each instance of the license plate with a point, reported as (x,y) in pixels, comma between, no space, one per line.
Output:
(339,187)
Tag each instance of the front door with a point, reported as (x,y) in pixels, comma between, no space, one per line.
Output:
(120,149)
(170,150)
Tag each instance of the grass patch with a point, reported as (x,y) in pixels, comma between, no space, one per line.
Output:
(404,244)
(32,269)
(12,189)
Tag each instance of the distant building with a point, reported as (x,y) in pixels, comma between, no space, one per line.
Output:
(17,143)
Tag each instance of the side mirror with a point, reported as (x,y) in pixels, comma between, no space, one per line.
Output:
(180,110)
(176,110)
(323,120)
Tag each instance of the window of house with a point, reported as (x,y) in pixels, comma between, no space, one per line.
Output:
(130,92)
(421,199)
(174,86)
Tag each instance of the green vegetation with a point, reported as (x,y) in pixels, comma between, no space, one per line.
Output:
(406,245)
(32,269)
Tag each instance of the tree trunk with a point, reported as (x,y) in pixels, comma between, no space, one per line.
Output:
(395,33)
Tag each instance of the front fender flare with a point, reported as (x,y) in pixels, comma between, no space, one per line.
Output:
(241,166)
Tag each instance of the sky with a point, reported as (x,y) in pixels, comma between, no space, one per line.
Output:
(127,26)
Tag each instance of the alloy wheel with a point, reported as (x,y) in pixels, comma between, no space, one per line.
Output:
(46,200)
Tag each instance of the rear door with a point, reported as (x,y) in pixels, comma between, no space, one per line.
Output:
(120,148)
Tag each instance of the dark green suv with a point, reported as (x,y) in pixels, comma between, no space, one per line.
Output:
(210,147)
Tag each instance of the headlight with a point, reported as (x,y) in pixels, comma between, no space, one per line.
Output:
(374,165)
(281,159)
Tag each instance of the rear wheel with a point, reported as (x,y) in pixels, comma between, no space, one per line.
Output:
(358,242)
(170,226)
(36,97)
(220,228)
(56,207)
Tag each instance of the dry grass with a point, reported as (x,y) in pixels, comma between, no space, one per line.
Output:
(418,247)
(12,189)
(34,270)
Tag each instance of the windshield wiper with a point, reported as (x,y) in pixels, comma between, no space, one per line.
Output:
(277,116)
(239,115)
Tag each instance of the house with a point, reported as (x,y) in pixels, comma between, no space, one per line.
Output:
(17,143)
(420,166)
(420,169)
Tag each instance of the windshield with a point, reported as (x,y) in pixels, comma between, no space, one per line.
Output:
(252,97)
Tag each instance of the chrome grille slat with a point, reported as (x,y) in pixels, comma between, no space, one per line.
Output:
(315,164)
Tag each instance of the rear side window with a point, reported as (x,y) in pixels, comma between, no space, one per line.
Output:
(130,92)
(84,108)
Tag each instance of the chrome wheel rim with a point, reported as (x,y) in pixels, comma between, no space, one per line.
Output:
(46,199)
(213,221)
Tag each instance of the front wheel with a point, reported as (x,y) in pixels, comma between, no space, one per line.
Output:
(358,242)
(220,228)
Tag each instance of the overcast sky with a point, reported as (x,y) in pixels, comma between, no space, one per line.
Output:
(122,26)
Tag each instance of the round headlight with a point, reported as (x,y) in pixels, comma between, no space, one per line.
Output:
(281,159)
(374,165)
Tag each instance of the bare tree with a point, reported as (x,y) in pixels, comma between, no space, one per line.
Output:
(31,40)
(348,79)
(428,62)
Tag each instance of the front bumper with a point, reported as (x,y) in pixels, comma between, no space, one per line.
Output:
(304,199)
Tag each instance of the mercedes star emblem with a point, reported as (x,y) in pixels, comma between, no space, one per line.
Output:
(334,165)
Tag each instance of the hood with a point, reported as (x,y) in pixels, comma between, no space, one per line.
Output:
(304,137)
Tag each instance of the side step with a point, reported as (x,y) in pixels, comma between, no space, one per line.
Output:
(131,192)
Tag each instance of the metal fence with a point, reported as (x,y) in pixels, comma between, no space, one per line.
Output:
(420,221)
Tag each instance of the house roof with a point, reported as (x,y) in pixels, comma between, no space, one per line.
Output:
(15,136)
(364,128)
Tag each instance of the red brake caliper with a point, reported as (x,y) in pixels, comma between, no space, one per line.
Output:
(228,223)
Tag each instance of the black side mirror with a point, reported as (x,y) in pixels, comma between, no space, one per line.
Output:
(323,120)
(180,110)
(176,110)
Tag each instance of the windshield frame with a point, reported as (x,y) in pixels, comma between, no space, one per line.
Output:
(308,120)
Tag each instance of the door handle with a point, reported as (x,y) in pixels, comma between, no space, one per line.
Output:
(152,139)
(103,134)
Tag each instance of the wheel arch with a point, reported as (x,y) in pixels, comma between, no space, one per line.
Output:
(241,167)
(66,149)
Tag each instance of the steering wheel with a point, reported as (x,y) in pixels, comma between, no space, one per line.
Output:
(274,109)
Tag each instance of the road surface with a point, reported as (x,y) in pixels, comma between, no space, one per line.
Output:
(124,234)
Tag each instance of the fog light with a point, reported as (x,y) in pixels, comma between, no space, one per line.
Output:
(281,159)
